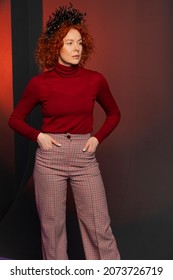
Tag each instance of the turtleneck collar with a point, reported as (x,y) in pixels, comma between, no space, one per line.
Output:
(66,71)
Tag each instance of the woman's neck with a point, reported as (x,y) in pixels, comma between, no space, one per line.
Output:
(66,71)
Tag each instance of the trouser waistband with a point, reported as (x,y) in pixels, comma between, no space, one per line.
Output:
(70,135)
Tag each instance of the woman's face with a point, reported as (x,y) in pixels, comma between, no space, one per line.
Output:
(70,53)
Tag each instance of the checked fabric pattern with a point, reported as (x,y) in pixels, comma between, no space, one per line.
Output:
(52,170)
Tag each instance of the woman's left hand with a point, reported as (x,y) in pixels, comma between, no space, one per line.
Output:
(91,145)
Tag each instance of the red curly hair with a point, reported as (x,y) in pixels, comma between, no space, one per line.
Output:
(47,51)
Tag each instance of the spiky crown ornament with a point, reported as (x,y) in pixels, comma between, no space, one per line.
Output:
(65,14)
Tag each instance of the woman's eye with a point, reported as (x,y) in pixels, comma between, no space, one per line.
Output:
(70,43)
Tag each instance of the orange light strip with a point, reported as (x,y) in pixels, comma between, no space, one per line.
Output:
(6,91)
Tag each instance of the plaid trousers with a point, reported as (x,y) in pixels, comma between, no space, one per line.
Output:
(51,171)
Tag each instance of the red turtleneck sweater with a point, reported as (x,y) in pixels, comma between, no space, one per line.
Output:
(66,96)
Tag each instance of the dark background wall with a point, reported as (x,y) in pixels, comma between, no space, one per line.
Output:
(134,52)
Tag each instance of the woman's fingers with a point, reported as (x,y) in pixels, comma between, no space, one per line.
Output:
(55,142)
(91,145)
(45,141)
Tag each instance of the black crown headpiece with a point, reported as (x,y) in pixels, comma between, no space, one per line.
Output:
(65,14)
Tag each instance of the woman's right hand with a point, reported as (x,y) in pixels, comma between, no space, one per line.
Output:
(46,142)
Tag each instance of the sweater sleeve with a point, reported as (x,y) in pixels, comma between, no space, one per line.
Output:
(107,102)
(25,105)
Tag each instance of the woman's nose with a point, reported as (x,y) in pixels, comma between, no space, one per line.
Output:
(76,47)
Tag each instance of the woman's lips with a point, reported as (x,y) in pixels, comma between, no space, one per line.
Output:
(75,56)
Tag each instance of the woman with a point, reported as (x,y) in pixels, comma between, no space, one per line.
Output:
(66,93)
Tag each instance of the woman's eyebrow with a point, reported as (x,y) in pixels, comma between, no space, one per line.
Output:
(73,40)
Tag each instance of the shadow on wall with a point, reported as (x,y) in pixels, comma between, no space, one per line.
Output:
(149,239)
(20,228)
